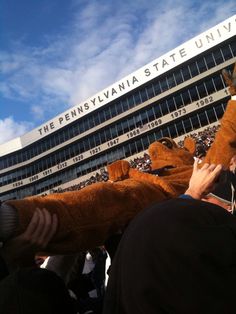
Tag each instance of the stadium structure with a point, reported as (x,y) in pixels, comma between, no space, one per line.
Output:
(180,92)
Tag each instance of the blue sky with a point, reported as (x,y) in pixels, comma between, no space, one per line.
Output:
(56,53)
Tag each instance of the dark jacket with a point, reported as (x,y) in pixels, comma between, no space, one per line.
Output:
(3,269)
(176,257)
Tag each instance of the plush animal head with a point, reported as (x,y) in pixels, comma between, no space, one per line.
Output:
(163,153)
(166,153)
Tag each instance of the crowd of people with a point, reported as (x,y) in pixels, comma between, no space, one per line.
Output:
(101,176)
(203,140)
(142,163)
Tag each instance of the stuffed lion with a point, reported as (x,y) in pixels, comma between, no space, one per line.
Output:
(88,217)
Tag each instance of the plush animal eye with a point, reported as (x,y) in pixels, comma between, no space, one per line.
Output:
(166,143)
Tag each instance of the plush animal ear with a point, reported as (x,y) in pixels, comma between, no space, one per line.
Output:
(227,77)
(230,80)
(190,145)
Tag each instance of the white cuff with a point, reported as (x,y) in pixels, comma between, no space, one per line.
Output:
(233,97)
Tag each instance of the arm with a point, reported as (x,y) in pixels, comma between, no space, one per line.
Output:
(224,146)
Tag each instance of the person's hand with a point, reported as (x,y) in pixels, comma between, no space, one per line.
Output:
(20,251)
(203,180)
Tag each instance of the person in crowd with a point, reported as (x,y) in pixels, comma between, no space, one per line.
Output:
(84,275)
(178,256)
(232,165)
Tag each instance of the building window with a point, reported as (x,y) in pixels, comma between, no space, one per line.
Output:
(193,93)
(150,91)
(187,125)
(86,144)
(211,115)
(96,119)
(178,77)
(137,98)
(180,128)
(201,90)
(170,81)
(113,111)
(201,65)
(118,108)
(209,61)
(218,57)
(226,52)
(233,48)
(185,73)
(171,104)
(157,112)
(178,101)
(125,105)
(186,97)
(131,102)
(151,137)
(195,122)
(113,131)
(125,126)
(131,123)
(203,118)
(173,131)
(164,86)
(210,86)
(164,107)
(107,113)
(218,82)
(150,114)
(157,88)
(144,117)
(144,96)
(119,129)
(219,111)
(193,69)
(139,145)
(145,142)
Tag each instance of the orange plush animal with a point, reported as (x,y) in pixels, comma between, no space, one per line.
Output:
(89,216)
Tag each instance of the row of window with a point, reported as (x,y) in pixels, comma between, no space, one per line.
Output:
(146,115)
(198,120)
(176,77)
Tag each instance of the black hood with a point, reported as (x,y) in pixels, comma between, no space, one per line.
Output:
(177,257)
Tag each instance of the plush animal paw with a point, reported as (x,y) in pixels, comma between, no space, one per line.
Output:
(230,80)
(118,170)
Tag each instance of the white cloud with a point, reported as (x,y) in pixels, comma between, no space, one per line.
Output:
(38,112)
(10,129)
